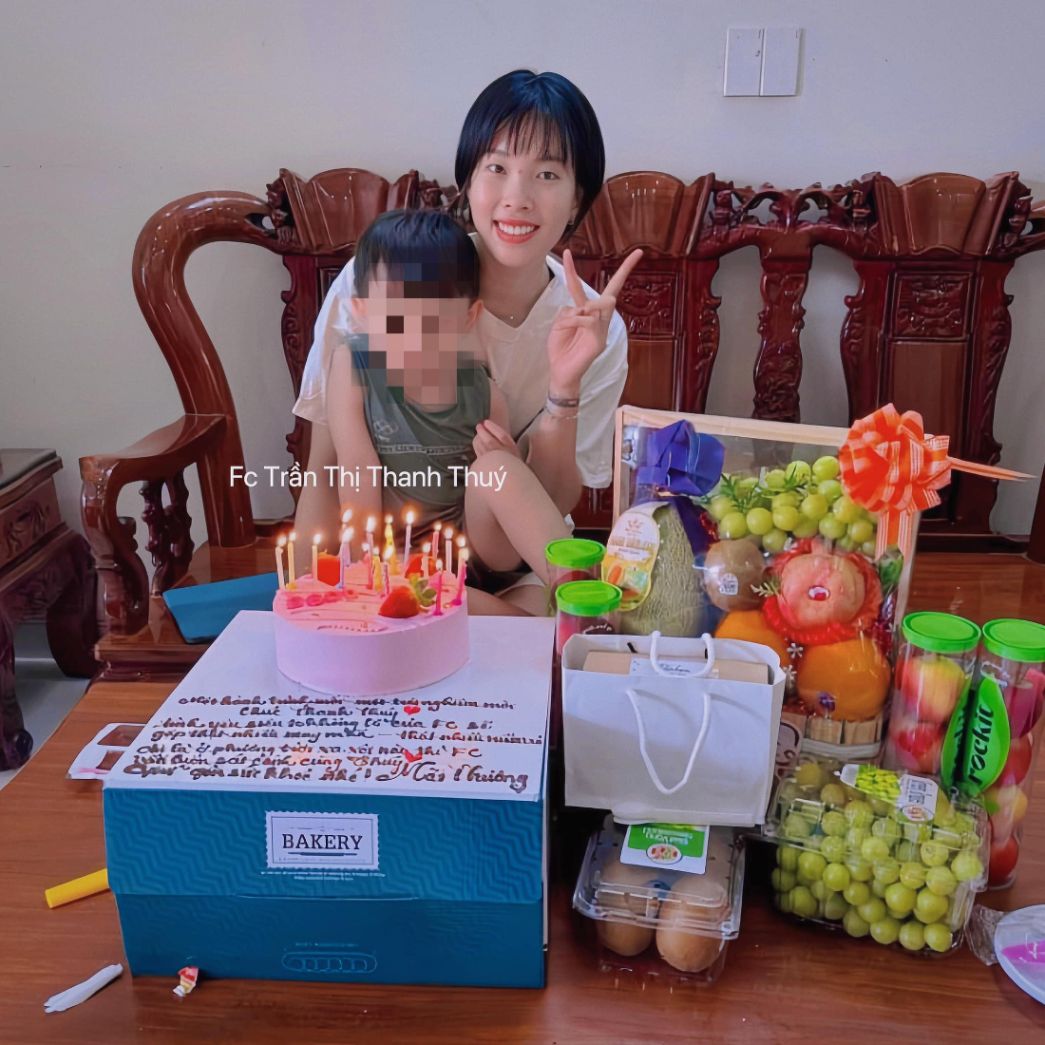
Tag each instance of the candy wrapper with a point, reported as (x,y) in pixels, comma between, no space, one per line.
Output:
(752,534)
(187,979)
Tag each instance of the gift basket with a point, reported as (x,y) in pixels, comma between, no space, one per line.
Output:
(762,532)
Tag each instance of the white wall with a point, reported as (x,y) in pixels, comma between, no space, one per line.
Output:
(114,107)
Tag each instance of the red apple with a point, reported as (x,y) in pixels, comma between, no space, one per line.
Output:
(931,686)
(1017,765)
(918,749)
(1006,806)
(1003,861)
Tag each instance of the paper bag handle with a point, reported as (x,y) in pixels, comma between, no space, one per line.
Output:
(644,751)
(709,647)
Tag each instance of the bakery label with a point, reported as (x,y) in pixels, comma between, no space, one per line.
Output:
(347,841)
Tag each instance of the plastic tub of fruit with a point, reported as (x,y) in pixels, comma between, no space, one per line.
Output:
(876,853)
(933,671)
(652,921)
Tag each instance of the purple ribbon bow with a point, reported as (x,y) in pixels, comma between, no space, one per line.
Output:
(683,464)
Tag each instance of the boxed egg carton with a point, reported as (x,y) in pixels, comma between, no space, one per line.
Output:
(653,921)
(877,853)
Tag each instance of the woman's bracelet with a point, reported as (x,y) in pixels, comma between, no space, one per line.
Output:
(560,409)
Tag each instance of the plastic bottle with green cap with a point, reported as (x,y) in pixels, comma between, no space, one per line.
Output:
(1005,729)
(585,607)
(572,559)
(934,669)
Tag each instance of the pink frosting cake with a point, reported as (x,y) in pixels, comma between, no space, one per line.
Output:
(338,641)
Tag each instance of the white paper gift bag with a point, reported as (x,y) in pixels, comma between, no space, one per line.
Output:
(670,742)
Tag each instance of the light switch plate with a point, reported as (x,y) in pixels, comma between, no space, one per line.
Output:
(780,50)
(743,62)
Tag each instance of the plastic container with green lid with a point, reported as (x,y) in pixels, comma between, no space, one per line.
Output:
(1009,723)
(934,668)
(584,607)
(572,559)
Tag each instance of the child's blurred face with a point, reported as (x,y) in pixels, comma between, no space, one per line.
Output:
(421,339)
(521,199)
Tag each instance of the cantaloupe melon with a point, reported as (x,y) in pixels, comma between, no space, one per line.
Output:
(676,604)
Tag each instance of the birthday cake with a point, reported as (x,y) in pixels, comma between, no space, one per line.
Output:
(363,636)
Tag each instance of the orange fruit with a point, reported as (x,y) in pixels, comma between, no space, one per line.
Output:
(844,680)
(751,626)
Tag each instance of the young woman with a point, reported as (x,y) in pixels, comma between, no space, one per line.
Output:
(530,162)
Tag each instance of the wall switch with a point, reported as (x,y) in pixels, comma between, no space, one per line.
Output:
(743,62)
(780,48)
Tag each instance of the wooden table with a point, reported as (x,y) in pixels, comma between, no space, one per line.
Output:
(782,981)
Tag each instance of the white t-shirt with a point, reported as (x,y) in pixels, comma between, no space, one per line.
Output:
(518,361)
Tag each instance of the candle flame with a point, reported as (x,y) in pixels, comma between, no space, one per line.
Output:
(410,517)
(388,520)
(426,547)
(346,515)
(438,526)
(448,532)
(370,523)
(461,542)
(463,556)
(293,535)
(282,542)
(438,564)
(317,538)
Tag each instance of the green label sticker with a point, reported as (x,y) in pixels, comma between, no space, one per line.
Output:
(915,797)
(682,847)
(985,745)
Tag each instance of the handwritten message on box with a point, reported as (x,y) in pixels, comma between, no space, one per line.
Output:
(236,722)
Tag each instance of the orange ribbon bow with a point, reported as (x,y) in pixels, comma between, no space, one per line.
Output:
(891,467)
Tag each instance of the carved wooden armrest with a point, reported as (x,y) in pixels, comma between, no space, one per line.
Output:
(158,461)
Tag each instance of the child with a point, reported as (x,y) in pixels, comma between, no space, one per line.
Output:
(411,409)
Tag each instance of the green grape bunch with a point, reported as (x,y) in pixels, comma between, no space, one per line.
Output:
(797,501)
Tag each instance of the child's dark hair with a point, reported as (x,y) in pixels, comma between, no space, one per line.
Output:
(536,109)
(426,250)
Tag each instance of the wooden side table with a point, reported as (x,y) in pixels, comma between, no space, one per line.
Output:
(44,566)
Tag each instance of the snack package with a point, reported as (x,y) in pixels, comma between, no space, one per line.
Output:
(746,530)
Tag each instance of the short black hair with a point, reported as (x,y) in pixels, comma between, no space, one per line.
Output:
(426,250)
(536,109)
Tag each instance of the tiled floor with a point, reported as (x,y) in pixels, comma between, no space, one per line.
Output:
(45,694)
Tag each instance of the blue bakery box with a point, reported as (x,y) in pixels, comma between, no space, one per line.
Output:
(257,829)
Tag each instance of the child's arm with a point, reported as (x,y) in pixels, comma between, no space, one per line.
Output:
(354,448)
(492,434)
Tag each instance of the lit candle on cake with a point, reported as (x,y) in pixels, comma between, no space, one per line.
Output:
(449,537)
(386,580)
(290,560)
(370,524)
(462,544)
(438,612)
(409,533)
(345,554)
(426,551)
(346,516)
(389,535)
(462,573)
(280,545)
(315,556)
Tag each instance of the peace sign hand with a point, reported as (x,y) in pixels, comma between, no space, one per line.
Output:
(579,332)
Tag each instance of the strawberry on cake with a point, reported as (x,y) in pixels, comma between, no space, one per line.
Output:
(368,637)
